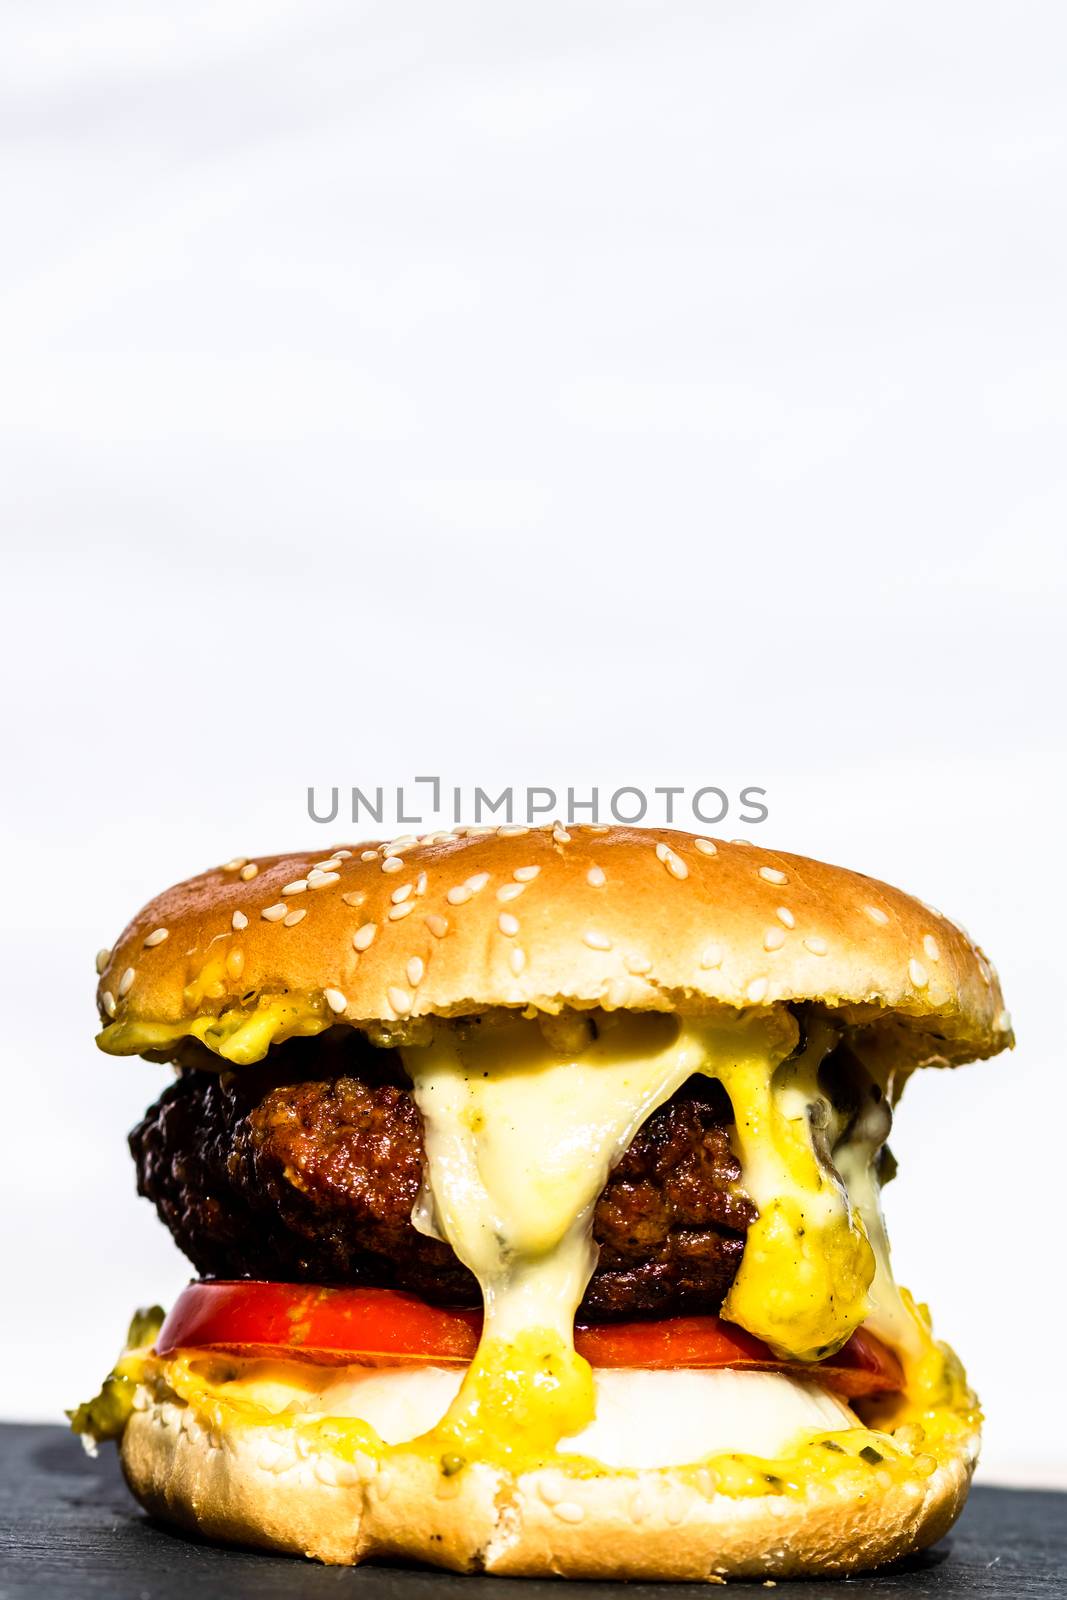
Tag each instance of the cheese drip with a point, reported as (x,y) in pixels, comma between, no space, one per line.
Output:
(240,1035)
(522,1125)
(803,1280)
(519,1141)
(934,1377)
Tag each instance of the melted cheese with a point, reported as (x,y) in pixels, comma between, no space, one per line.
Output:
(803,1280)
(936,1390)
(522,1125)
(241,1036)
(359,1417)
(519,1141)
(643,1419)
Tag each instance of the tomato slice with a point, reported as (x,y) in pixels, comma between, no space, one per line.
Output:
(368,1327)
(381,1327)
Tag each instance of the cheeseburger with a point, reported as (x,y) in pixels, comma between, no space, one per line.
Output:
(532,1179)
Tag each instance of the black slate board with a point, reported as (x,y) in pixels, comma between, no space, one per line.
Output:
(69,1527)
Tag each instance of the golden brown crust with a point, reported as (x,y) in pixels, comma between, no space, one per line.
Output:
(256,1486)
(646,919)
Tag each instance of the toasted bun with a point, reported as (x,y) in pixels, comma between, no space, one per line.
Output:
(641,918)
(253,1486)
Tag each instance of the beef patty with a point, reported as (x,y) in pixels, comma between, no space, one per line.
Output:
(280,1172)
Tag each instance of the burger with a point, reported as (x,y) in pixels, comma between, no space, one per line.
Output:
(532,1180)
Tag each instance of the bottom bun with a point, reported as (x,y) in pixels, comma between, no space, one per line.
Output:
(261,1486)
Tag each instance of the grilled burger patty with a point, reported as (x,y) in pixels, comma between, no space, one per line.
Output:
(286,1174)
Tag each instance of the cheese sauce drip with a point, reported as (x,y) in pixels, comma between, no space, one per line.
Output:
(240,1035)
(519,1140)
(803,1280)
(936,1388)
(522,1122)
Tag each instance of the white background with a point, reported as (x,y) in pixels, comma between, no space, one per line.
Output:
(617,392)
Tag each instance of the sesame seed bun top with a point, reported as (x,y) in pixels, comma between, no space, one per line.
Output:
(637,918)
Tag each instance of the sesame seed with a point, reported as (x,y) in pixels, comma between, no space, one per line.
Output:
(569,1511)
(238,921)
(525,874)
(399,999)
(396,912)
(355,897)
(400,894)
(930,945)
(510,891)
(478,882)
(368,855)
(1003,1022)
(157,937)
(235,963)
(508,924)
(416,967)
(342,855)
(458,895)
(596,877)
(363,937)
(711,956)
(786,917)
(335,1000)
(516,959)
(108,1001)
(707,847)
(515,832)
(773,939)
(235,865)
(918,974)
(102,959)
(126,981)
(275,913)
(298,886)
(420,883)
(599,827)
(294,917)
(249,872)
(322,879)
(638,965)
(561,836)
(772,875)
(757,990)
(673,863)
(876,914)
(595,940)
(438,926)
(392,864)
(326,866)
(816,945)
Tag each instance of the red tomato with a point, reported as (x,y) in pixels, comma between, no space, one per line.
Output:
(371,1327)
(381,1328)
(384,1328)
(863,1366)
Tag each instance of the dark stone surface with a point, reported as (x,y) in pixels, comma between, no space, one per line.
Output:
(69,1527)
